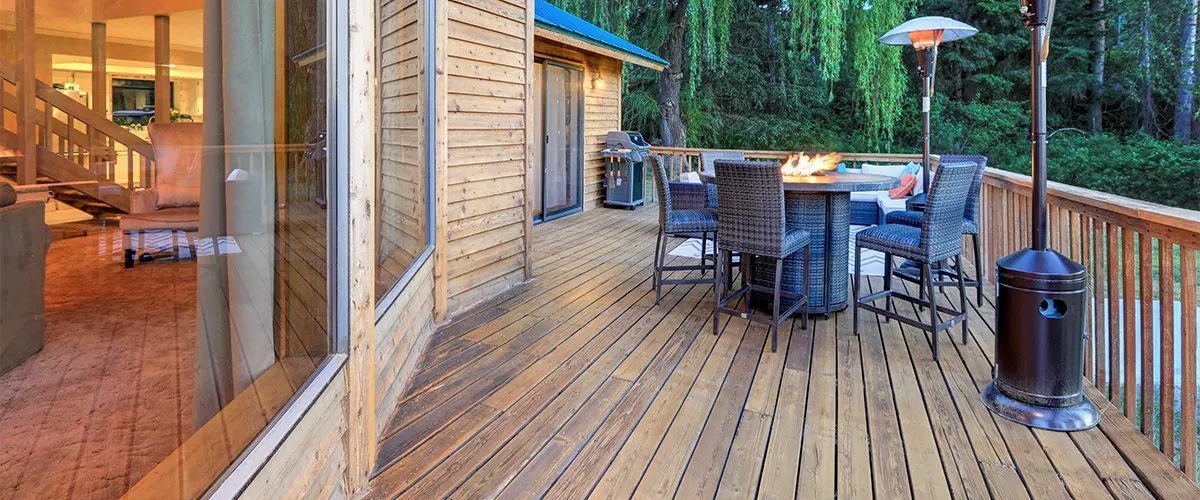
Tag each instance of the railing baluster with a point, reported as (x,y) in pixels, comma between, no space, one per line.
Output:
(145,170)
(1187,346)
(1113,267)
(1128,293)
(1146,279)
(1101,329)
(1081,250)
(129,164)
(1166,311)
(47,132)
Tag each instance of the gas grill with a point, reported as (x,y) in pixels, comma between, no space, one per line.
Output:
(624,173)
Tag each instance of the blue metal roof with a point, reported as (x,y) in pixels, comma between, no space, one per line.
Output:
(554,18)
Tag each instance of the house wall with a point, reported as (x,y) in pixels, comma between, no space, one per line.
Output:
(602,109)
(401,183)
(486,219)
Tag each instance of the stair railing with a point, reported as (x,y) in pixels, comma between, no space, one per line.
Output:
(70,129)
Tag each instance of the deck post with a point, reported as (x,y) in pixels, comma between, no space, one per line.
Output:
(99,84)
(26,93)
(162,69)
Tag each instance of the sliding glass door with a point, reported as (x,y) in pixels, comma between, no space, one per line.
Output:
(558,184)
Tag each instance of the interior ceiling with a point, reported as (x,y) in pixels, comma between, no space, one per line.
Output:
(187,28)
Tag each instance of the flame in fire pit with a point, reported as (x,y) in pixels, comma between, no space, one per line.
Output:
(801,164)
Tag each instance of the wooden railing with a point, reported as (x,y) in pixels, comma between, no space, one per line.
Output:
(70,129)
(1141,263)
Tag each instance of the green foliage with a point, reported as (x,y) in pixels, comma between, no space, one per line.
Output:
(1165,172)
(811,75)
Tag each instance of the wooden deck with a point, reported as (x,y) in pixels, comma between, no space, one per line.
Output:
(576,384)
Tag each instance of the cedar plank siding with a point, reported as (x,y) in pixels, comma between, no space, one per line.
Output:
(401,182)
(601,114)
(485,171)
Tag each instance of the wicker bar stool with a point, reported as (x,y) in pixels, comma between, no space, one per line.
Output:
(970,225)
(939,238)
(752,221)
(672,220)
(707,159)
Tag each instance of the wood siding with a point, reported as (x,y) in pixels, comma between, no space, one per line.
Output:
(400,338)
(400,192)
(602,109)
(486,76)
(311,463)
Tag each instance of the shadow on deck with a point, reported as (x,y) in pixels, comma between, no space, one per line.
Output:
(577,384)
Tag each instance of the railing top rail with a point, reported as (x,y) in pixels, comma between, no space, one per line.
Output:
(82,113)
(780,155)
(1178,224)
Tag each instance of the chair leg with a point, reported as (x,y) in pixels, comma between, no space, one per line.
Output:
(962,296)
(855,284)
(921,286)
(662,262)
(657,246)
(978,270)
(748,272)
(887,284)
(703,252)
(718,290)
(775,306)
(807,260)
(927,277)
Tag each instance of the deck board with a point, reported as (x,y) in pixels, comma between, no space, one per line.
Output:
(576,384)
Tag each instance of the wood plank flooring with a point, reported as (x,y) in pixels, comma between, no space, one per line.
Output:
(576,384)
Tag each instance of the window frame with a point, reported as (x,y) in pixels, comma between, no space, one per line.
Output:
(251,460)
(384,303)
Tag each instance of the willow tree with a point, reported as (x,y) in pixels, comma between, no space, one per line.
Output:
(830,32)
(689,34)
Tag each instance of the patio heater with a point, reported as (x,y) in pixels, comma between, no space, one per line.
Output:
(925,34)
(1040,298)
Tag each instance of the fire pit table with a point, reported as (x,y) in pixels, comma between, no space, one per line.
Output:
(820,204)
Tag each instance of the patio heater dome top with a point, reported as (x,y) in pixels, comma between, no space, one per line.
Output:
(927,31)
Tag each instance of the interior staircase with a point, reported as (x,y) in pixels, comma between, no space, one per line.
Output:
(86,160)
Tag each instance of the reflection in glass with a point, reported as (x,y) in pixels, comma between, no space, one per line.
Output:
(164,271)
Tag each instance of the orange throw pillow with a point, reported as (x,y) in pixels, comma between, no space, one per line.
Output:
(907,184)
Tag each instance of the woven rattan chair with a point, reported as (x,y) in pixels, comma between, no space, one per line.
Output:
(695,219)
(970,225)
(707,159)
(752,222)
(939,238)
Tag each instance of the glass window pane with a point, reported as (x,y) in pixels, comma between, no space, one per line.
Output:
(164,268)
(401,188)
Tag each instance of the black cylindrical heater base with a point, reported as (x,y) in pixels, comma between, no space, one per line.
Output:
(1040,342)
(1077,417)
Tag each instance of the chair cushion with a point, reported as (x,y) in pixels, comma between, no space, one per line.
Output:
(896,239)
(691,221)
(794,240)
(914,219)
(179,219)
(886,170)
(170,196)
(867,196)
(888,205)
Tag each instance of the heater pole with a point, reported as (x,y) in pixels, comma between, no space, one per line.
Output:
(1038,99)
(928,62)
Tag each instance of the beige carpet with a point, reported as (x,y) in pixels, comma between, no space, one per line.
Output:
(110,395)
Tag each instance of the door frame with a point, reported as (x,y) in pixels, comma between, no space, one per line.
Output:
(578,207)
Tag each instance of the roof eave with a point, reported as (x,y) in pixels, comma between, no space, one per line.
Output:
(573,39)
